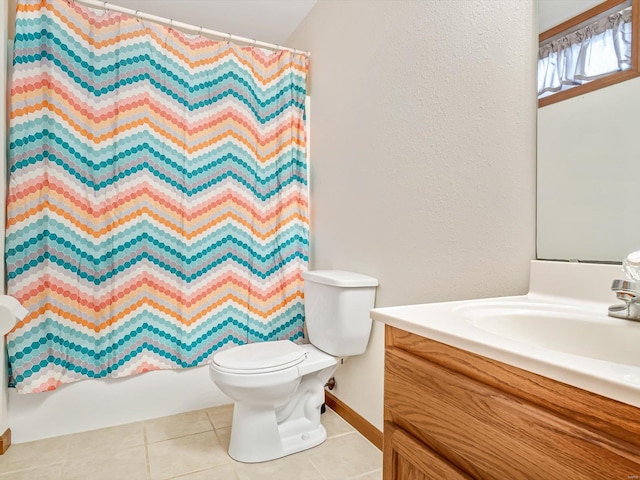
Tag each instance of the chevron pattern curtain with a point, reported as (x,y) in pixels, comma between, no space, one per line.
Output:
(158,205)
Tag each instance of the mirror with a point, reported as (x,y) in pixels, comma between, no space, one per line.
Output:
(588,165)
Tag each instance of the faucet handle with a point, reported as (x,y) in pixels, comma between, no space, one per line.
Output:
(631,266)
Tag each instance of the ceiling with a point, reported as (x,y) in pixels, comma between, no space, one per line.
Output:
(270,21)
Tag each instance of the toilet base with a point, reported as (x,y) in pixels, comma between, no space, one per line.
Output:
(298,443)
(273,420)
(257,437)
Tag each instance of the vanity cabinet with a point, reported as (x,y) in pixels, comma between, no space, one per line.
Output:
(412,459)
(451,414)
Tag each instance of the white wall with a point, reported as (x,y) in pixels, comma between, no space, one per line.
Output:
(423,158)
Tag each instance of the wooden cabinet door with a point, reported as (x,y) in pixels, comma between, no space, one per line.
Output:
(406,458)
(499,435)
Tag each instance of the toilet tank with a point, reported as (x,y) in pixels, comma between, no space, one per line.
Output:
(336,306)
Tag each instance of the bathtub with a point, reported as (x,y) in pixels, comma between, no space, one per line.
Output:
(100,403)
(4,424)
(10,312)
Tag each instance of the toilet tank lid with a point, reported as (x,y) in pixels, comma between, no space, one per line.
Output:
(340,278)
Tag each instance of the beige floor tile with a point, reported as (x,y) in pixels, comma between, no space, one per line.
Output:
(334,424)
(293,467)
(175,426)
(345,456)
(130,463)
(50,472)
(224,472)
(224,437)
(221,416)
(119,452)
(34,454)
(183,455)
(104,440)
(377,475)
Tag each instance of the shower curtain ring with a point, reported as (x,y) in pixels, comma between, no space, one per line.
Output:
(200,32)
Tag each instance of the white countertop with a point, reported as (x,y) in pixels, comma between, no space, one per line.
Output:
(443,322)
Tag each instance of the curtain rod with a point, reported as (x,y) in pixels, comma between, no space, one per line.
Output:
(186,26)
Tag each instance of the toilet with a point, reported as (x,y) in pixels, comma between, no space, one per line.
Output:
(278,386)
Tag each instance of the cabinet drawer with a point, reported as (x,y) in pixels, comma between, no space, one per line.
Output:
(495,435)
(407,458)
(599,413)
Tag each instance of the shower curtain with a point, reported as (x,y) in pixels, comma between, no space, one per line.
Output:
(158,204)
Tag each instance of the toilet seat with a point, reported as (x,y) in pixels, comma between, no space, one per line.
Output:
(258,358)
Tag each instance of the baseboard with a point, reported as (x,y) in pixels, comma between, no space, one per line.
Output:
(5,441)
(358,422)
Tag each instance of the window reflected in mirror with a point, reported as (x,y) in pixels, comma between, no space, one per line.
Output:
(592,50)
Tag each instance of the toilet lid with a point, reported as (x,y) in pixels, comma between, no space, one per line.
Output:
(260,357)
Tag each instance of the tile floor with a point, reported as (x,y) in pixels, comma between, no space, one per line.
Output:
(189,446)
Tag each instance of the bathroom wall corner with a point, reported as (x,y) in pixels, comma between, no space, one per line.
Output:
(423,155)
(356,420)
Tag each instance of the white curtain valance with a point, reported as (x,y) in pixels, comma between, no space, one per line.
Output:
(594,51)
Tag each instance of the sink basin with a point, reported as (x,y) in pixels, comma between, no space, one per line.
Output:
(565,329)
(559,330)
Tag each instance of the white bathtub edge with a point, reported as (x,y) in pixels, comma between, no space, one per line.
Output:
(93,404)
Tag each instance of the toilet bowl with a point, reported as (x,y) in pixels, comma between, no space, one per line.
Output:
(278,389)
(278,386)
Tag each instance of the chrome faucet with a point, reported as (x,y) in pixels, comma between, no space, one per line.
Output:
(629,293)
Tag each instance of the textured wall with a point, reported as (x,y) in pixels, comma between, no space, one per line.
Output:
(423,154)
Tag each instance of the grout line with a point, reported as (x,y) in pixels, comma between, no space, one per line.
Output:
(316,467)
(63,466)
(24,469)
(206,412)
(362,475)
(146,451)
(182,435)
(201,470)
(343,434)
(368,441)
(66,458)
